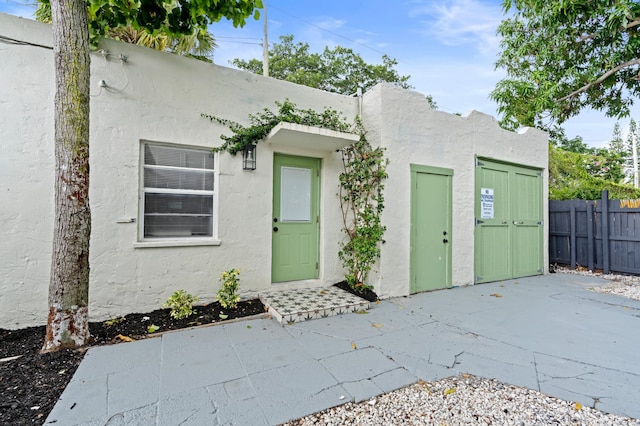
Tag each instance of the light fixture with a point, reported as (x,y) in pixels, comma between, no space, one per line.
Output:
(249,157)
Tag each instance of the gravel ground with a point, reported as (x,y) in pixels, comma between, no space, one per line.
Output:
(621,285)
(470,400)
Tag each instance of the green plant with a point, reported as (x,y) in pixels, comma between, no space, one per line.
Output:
(113,321)
(362,202)
(263,122)
(181,304)
(228,293)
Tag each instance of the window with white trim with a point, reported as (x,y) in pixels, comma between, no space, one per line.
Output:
(177,192)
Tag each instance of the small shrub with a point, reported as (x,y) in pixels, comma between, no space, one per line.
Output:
(181,304)
(228,293)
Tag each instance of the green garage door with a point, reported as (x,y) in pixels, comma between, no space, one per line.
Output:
(509,222)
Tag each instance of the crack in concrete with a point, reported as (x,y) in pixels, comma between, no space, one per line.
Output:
(326,389)
(587,364)
(596,399)
(455,360)
(593,299)
(535,368)
(185,421)
(577,376)
(367,379)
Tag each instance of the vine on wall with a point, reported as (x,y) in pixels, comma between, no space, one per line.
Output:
(263,122)
(362,201)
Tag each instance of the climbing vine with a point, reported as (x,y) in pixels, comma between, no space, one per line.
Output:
(263,122)
(362,201)
(361,181)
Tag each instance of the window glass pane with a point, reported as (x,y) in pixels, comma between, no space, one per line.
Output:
(177,226)
(177,157)
(295,194)
(172,204)
(178,179)
(177,215)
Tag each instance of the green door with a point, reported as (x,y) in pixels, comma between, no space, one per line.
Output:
(430,228)
(508,235)
(528,230)
(296,216)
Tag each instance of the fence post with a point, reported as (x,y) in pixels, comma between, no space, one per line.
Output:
(590,238)
(572,237)
(605,231)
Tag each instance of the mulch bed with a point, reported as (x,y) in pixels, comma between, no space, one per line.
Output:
(32,384)
(366,294)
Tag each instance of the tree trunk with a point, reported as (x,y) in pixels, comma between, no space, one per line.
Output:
(67,324)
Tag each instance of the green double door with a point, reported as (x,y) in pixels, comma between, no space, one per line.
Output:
(431,189)
(296,218)
(509,221)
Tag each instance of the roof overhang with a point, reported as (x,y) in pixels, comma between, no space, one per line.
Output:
(316,138)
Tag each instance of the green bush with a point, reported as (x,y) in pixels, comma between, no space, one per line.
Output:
(228,293)
(181,304)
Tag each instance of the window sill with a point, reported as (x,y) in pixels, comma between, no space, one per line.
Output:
(176,243)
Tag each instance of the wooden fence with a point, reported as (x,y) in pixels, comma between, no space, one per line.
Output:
(602,234)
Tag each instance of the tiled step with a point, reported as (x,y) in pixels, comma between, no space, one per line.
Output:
(292,306)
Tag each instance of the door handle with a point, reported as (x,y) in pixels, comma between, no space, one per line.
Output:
(275,229)
(445,241)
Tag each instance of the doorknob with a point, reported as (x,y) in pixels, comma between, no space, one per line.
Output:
(445,241)
(275,219)
(275,229)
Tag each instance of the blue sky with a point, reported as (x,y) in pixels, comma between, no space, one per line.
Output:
(448,47)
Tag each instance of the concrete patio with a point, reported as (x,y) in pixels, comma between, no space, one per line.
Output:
(548,333)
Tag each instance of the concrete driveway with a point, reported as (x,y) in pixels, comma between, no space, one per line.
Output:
(548,333)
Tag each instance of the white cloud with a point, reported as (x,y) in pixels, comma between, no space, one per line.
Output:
(18,8)
(320,34)
(460,22)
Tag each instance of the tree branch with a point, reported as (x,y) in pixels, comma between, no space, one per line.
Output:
(630,25)
(602,78)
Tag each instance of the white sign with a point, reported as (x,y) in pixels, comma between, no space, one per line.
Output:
(486,203)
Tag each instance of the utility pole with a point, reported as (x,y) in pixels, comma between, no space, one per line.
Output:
(265,44)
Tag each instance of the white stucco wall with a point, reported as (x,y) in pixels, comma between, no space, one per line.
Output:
(153,96)
(158,97)
(413,133)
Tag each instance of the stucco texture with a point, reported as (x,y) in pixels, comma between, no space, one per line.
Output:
(158,97)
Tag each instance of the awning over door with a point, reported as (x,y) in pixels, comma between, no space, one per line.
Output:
(301,136)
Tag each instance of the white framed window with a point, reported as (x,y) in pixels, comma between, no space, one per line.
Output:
(178,195)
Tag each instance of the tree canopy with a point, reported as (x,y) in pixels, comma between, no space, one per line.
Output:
(198,44)
(562,56)
(338,70)
(170,17)
(585,176)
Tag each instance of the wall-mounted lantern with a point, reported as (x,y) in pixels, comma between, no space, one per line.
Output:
(249,157)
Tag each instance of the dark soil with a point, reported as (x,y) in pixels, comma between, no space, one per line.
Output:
(31,384)
(365,293)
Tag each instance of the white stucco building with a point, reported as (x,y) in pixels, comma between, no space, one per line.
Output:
(466,201)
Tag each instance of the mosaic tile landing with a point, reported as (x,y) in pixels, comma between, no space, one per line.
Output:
(291,306)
